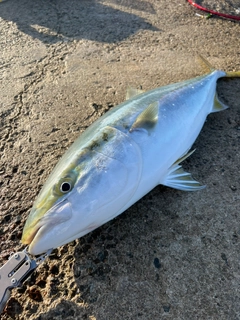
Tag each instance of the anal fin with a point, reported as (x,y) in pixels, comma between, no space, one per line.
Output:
(177,178)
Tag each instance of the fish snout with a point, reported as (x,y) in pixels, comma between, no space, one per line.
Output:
(42,234)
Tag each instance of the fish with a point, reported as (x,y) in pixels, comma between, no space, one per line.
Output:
(131,149)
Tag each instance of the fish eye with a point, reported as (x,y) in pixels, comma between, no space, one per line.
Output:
(65,183)
(65,187)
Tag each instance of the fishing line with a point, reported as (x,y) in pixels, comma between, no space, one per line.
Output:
(216,13)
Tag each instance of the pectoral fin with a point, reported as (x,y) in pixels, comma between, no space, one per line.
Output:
(177,178)
(146,119)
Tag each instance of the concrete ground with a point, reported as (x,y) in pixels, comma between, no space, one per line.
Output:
(173,255)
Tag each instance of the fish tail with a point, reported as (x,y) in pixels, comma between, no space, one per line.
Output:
(217,104)
(233,74)
(206,64)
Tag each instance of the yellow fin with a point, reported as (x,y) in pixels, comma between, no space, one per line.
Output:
(132,92)
(233,74)
(218,105)
(147,119)
(177,178)
(185,156)
(206,64)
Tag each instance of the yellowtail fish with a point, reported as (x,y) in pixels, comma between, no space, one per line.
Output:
(120,158)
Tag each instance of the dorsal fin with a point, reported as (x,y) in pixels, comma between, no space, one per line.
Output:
(146,119)
(132,92)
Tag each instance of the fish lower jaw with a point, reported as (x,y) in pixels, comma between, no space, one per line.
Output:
(32,240)
(29,238)
(34,248)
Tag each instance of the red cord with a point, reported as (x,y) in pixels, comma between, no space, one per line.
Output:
(228,16)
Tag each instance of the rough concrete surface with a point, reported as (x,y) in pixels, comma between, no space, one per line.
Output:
(173,255)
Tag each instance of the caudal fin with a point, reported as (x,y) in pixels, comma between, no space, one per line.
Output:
(219,105)
(233,74)
(206,64)
(209,68)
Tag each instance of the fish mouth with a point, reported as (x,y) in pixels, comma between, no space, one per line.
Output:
(40,235)
(30,230)
(31,236)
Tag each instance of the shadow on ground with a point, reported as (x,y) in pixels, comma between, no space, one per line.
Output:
(57,20)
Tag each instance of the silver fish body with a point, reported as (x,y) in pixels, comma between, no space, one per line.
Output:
(121,157)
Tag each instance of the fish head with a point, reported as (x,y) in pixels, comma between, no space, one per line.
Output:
(86,189)
(51,209)
(63,211)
